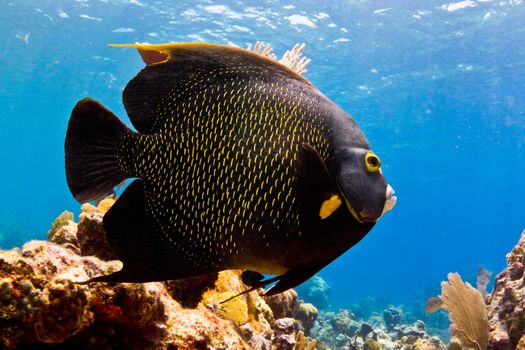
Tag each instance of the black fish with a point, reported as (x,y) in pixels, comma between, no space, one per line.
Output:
(241,163)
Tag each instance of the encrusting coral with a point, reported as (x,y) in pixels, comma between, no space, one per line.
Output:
(506,308)
(61,311)
(40,301)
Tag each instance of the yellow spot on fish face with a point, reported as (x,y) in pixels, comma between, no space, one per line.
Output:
(329,206)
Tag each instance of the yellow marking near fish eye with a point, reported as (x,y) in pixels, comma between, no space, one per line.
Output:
(372,162)
(329,206)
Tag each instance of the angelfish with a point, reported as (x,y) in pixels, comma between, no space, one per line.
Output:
(239,163)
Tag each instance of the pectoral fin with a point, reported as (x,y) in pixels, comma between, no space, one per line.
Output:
(317,194)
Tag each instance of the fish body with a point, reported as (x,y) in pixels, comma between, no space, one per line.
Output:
(241,163)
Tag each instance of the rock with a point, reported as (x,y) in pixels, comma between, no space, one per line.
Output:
(392,317)
(92,237)
(284,333)
(371,344)
(64,231)
(365,330)
(282,304)
(316,291)
(305,314)
(256,341)
(40,303)
(61,311)
(328,325)
(62,220)
(428,344)
(235,309)
(506,309)
(341,341)
(264,310)
(516,270)
(417,329)
(342,322)
(189,291)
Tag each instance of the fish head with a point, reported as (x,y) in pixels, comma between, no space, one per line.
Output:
(360,179)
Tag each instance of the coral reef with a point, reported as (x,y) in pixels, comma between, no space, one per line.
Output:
(42,303)
(283,304)
(392,317)
(315,291)
(344,331)
(305,314)
(287,305)
(284,330)
(479,321)
(506,309)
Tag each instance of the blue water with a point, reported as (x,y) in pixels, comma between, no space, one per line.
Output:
(437,87)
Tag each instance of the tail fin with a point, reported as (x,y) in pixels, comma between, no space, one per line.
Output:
(92,139)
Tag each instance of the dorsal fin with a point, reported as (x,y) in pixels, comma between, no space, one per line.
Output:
(170,66)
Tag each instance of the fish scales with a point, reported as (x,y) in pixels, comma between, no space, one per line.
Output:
(240,163)
(263,153)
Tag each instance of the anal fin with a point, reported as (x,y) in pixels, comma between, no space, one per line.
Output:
(286,281)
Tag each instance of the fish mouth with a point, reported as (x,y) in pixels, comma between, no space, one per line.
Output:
(370,216)
(391,200)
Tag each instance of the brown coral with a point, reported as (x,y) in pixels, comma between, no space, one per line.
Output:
(61,311)
(41,303)
(507,303)
(467,312)
(282,304)
(302,342)
(305,314)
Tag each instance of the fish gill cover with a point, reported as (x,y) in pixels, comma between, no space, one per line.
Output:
(435,86)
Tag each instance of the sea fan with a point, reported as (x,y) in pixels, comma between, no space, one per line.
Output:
(467,312)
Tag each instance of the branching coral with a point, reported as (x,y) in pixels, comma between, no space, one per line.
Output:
(302,342)
(467,312)
(482,280)
(292,59)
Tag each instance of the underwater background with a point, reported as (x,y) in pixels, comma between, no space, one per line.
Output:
(437,88)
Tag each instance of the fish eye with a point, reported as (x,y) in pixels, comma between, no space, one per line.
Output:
(372,162)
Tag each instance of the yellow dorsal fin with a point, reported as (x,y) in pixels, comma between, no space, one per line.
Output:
(159,53)
(329,206)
